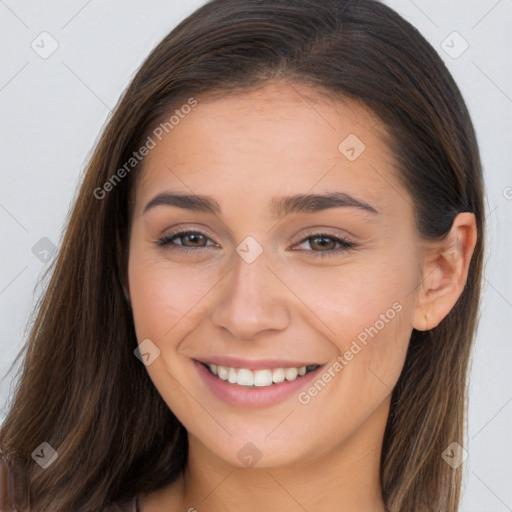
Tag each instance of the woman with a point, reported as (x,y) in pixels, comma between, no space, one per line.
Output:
(267,294)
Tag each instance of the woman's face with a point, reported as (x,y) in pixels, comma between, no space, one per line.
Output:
(272,275)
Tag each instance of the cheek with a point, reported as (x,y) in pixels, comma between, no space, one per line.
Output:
(164,295)
(353,296)
(368,312)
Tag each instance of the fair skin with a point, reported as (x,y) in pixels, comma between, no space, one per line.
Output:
(289,304)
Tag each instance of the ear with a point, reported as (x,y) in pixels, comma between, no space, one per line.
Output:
(444,272)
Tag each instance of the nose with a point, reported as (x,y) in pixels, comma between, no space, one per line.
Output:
(252,300)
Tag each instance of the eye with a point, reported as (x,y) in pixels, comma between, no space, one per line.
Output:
(197,239)
(323,241)
(327,243)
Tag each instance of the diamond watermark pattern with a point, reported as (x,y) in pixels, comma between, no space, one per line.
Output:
(249,455)
(147,352)
(455,45)
(351,147)
(44,45)
(454,455)
(44,249)
(249,249)
(44,455)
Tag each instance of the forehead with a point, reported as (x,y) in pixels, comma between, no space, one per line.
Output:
(280,139)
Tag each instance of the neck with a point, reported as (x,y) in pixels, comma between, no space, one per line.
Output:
(344,479)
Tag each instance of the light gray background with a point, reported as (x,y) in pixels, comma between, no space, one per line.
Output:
(53,109)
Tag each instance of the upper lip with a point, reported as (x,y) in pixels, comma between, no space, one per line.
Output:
(255,364)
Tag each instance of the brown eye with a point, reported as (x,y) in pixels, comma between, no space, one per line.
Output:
(188,240)
(323,244)
(195,239)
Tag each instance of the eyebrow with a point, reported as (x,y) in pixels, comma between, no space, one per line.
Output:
(279,207)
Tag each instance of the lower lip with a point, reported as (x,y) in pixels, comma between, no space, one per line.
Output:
(253,397)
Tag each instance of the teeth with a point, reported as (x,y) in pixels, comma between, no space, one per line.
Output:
(222,372)
(258,378)
(245,377)
(291,373)
(232,376)
(262,378)
(278,375)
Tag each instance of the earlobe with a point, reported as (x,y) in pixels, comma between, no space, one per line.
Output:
(445,272)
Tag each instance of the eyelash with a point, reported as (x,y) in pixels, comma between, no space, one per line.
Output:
(346,245)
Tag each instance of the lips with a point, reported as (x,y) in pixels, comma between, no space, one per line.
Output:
(251,387)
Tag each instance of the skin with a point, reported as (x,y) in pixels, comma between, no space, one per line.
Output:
(243,150)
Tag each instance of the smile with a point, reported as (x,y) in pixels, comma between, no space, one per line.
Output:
(258,378)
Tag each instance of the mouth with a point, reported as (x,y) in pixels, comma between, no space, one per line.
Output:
(264,377)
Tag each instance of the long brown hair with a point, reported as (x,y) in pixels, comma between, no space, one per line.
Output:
(82,390)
